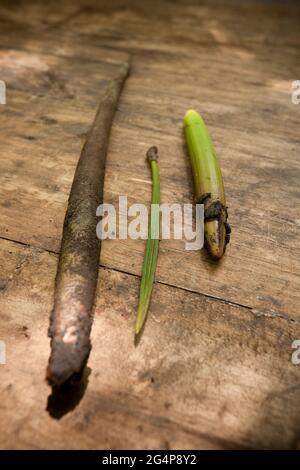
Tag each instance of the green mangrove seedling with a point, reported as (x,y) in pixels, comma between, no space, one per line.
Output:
(152,244)
(208,182)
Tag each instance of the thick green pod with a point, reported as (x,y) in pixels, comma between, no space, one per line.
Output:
(208,182)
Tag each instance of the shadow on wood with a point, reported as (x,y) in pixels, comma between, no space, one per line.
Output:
(65,398)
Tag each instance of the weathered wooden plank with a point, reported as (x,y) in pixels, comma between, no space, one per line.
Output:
(180,25)
(161,25)
(261,269)
(46,95)
(205,373)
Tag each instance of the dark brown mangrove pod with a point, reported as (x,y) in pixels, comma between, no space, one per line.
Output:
(208,182)
(76,278)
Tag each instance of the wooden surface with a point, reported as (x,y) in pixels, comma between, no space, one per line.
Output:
(213,368)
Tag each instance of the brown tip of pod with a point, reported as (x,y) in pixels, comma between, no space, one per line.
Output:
(216,228)
(66,361)
(152,154)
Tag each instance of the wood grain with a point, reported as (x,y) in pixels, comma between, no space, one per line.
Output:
(250,139)
(213,369)
(205,374)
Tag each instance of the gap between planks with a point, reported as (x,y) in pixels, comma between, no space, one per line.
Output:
(255,312)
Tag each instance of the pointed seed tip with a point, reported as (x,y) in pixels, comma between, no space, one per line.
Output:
(137,329)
